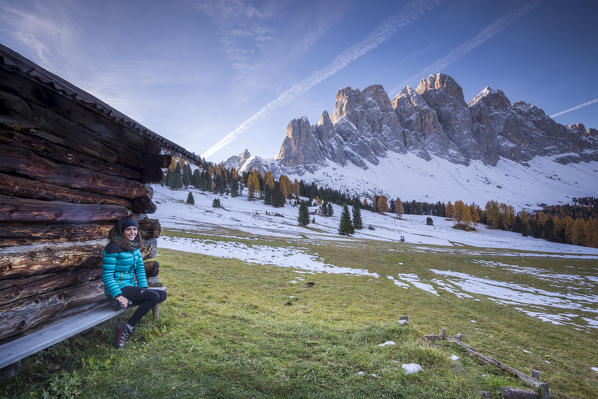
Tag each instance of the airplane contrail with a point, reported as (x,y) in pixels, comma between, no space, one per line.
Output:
(381,34)
(576,107)
(457,53)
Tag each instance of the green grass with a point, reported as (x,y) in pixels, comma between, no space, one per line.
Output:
(235,330)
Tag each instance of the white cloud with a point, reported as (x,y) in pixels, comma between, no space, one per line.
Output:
(381,34)
(459,52)
(594,101)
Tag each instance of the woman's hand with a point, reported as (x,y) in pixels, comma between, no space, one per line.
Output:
(123,301)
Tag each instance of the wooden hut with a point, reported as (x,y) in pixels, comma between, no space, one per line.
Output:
(70,166)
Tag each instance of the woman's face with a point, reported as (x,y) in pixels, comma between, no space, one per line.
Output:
(130,233)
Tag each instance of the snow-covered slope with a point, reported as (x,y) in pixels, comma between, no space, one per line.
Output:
(255,217)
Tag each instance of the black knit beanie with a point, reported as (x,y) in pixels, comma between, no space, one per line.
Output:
(128,222)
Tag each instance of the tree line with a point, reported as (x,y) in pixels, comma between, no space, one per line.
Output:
(569,224)
(575,223)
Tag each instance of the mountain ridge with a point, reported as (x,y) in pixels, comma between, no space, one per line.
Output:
(432,121)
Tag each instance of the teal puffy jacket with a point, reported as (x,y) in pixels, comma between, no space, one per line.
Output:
(122,268)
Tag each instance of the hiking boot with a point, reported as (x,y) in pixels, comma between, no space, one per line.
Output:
(123,332)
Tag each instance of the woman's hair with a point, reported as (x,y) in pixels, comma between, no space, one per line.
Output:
(117,237)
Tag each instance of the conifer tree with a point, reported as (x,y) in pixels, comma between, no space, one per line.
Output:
(278,199)
(382,204)
(357,222)
(268,194)
(448,210)
(345,227)
(234,188)
(253,184)
(399,209)
(303,214)
(330,211)
(190,199)
(177,179)
(268,181)
(187,175)
(216,203)
(196,179)
(475,215)
(285,186)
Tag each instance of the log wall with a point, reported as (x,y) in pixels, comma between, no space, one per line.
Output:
(70,167)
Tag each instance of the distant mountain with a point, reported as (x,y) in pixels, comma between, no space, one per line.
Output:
(430,144)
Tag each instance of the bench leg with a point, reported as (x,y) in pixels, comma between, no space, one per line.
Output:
(11,370)
(156,312)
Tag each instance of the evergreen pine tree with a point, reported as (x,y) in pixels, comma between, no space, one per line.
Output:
(190,199)
(234,188)
(267,195)
(216,203)
(169,178)
(345,227)
(330,211)
(177,179)
(187,175)
(278,198)
(196,179)
(303,214)
(357,223)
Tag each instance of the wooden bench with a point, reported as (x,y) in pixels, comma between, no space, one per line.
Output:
(80,319)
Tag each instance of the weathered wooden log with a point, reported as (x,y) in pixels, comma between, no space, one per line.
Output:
(20,114)
(150,248)
(24,162)
(72,124)
(25,314)
(152,268)
(528,380)
(143,205)
(13,234)
(13,209)
(17,234)
(59,153)
(26,188)
(43,258)
(13,289)
(149,228)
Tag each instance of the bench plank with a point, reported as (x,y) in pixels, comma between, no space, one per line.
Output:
(20,348)
(13,351)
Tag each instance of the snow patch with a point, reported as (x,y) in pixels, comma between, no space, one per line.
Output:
(414,280)
(397,282)
(261,254)
(411,368)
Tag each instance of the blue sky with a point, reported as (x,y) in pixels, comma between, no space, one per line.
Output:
(218,77)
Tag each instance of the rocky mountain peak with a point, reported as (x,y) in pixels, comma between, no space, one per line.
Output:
(578,127)
(441,83)
(491,98)
(300,145)
(431,121)
(325,119)
(245,155)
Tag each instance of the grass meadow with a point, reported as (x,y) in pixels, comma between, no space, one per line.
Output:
(230,329)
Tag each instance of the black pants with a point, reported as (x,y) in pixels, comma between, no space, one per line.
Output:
(146,298)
